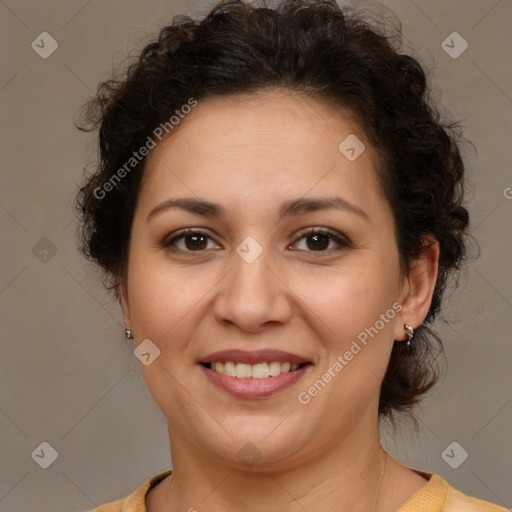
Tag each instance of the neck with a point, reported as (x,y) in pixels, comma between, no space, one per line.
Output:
(349,477)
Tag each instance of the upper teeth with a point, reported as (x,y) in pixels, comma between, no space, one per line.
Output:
(256,371)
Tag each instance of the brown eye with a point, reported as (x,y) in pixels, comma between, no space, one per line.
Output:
(196,241)
(188,240)
(319,240)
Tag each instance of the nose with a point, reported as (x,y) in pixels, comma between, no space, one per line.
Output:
(253,294)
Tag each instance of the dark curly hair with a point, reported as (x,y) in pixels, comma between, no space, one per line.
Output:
(332,54)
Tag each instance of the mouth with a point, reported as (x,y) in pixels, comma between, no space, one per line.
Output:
(255,375)
(262,370)
(259,374)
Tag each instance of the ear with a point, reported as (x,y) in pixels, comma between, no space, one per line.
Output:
(123,302)
(418,288)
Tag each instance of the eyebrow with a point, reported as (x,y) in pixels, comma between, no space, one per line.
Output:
(288,209)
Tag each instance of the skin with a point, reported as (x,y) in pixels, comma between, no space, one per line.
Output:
(249,154)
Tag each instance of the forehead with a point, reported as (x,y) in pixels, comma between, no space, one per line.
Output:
(273,143)
(266,120)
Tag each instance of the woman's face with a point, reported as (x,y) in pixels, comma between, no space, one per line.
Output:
(254,283)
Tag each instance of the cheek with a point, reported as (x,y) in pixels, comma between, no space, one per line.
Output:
(346,311)
(163,298)
(166,308)
(347,299)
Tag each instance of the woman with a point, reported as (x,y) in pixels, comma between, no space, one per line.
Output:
(278,209)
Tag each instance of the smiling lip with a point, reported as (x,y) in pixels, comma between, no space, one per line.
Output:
(251,387)
(254,388)
(258,356)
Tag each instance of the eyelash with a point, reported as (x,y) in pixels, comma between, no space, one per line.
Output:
(343,242)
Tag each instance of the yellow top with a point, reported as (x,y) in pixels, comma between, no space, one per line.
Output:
(436,495)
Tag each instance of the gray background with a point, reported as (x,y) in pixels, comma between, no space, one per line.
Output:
(67,376)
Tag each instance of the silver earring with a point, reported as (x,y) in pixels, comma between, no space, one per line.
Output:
(409,332)
(128,334)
